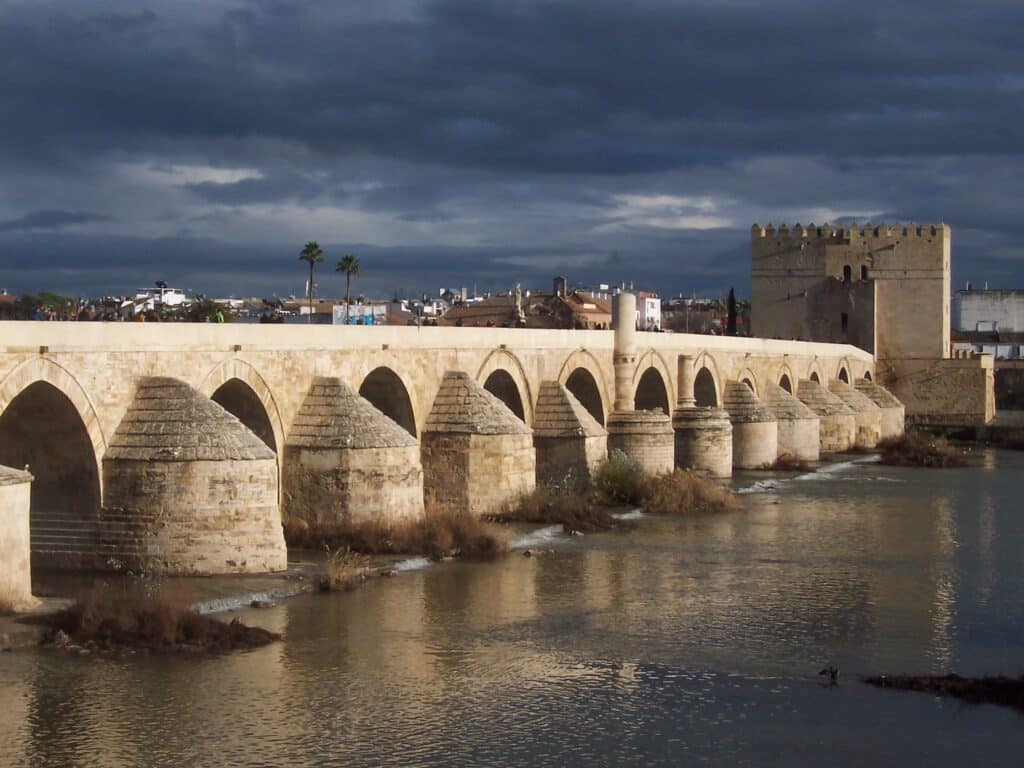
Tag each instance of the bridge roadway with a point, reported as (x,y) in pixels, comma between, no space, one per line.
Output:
(65,387)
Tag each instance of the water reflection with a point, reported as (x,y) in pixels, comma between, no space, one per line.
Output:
(691,638)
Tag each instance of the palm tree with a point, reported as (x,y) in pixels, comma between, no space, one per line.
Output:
(311,254)
(349,264)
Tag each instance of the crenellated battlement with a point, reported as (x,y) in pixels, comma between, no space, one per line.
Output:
(846,233)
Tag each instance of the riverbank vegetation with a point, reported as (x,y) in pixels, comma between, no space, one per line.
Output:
(109,617)
(919,449)
(1005,691)
(440,533)
(619,482)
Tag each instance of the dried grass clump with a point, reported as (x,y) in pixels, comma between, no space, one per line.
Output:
(344,570)
(440,533)
(576,511)
(618,480)
(919,449)
(128,616)
(685,491)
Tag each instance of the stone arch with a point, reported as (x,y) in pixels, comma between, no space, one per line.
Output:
(785,378)
(503,360)
(843,371)
(747,376)
(652,392)
(847,273)
(389,395)
(584,388)
(867,375)
(814,377)
(243,372)
(652,359)
(579,362)
(238,398)
(41,427)
(707,390)
(814,371)
(501,384)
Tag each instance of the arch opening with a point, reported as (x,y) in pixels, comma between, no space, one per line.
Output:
(501,384)
(844,376)
(864,272)
(42,429)
(386,391)
(867,375)
(584,388)
(786,384)
(749,383)
(651,392)
(238,398)
(814,377)
(704,390)
(847,273)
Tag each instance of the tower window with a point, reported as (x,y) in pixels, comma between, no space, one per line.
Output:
(864,272)
(844,319)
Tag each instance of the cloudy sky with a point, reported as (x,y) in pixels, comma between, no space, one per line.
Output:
(489,142)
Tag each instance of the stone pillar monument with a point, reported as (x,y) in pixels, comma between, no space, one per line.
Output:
(644,436)
(703,436)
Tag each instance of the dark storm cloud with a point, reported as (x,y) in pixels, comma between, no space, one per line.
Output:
(509,130)
(49,220)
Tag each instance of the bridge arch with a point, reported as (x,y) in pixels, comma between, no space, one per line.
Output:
(389,395)
(238,387)
(785,378)
(814,372)
(653,383)
(707,390)
(843,371)
(748,377)
(503,376)
(42,426)
(582,375)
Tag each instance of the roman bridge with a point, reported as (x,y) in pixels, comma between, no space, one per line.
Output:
(72,395)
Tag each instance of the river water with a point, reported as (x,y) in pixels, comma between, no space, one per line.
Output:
(682,640)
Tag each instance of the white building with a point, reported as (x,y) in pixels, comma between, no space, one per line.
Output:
(989,310)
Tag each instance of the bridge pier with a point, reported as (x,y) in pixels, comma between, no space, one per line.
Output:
(755,432)
(867,415)
(644,436)
(477,455)
(703,436)
(188,489)
(838,430)
(15,546)
(346,462)
(893,412)
(570,444)
(799,427)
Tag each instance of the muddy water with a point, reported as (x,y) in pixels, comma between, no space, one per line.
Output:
(683,640)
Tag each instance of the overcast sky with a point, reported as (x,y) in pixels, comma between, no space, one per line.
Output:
(462,142)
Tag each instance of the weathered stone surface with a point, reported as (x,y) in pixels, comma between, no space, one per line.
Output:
(703,440)
(867,415)
(570,444)
(345,461)
(838,429)
(15,547)
(755,432)
(188,489)
(799,427)
(893,412)
(169,421)
(646,437)
(477,455)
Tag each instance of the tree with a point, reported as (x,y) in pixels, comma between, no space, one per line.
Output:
(349,264)
(730,329)
(312,255)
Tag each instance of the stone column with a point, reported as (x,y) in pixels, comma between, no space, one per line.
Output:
(15,549)
(624,355)
(686,398)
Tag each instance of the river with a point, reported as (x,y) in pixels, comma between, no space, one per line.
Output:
(683,640)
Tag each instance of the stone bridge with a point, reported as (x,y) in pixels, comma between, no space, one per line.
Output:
(81,402)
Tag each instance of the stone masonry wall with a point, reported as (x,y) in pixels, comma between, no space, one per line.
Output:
(191,517)
(15,549)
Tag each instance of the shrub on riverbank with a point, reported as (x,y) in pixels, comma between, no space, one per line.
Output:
(576,511)
(440,533)
(107,617)
(344,570)
(622,481)
(919,449)
(1007,691)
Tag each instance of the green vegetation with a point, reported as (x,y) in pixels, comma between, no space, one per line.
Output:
(46,305)
(312,255)
(128,616)
(349,264)
(619,482)
(919,449)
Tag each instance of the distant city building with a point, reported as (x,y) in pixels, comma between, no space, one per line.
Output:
(989,310)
